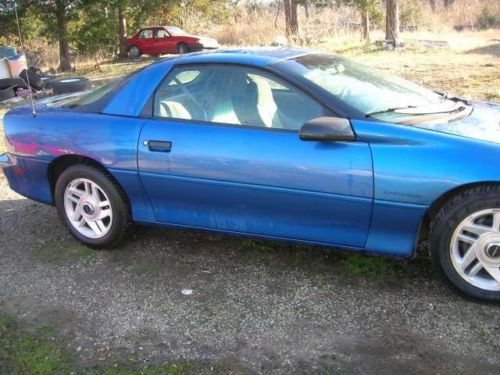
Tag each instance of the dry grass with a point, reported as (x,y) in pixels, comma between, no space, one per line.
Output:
(470,67)
(261,25)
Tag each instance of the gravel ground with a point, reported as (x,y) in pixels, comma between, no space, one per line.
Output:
(256,307)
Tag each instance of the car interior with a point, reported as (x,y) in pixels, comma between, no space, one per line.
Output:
(234,96)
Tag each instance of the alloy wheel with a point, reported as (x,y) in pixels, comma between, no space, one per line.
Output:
(475,249)
(88,208)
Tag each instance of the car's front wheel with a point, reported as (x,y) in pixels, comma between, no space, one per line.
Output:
(465,242)
(92,206)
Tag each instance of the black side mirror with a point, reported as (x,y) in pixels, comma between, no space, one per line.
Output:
(327,129)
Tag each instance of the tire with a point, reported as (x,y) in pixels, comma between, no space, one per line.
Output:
(31,78)
(6,83)
(182,48)
(36,71)
(465,242)
(68,85)
(134,52)
(74,204)
(6,94)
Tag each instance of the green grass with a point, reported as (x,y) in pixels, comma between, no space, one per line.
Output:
(259,251)
(368,267)
(41,352)
(63,251)
(148,268)
(35,354)
(164,369)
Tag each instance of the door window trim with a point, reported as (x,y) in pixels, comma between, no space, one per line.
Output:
(157,30)
(148,109)
(141,34)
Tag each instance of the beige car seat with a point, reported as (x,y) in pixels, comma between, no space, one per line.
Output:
(173,109)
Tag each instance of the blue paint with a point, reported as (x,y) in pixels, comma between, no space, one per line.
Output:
(367,195)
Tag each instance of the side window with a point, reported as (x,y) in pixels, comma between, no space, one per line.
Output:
(161,33)
(147,34)
(234,95)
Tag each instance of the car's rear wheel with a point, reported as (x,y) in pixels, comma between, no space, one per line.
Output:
(182,48)
(465,242)
(134,52)
(92,206)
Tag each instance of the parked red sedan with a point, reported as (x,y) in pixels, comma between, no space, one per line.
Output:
(156,40)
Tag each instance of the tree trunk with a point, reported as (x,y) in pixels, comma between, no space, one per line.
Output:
(294,21)
(287,7)
(448,3)
(365,20)
(291,20)
(433,5)
(307,10)
(62,36)
(122,31)
(392,23)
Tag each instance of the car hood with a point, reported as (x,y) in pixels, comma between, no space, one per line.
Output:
(483,123)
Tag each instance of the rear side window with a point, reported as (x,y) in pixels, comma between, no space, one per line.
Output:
(95,101)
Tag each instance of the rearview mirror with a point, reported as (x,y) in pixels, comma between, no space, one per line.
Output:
(327,129)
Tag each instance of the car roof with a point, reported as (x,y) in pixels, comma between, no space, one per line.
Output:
(158,27)
(260,56)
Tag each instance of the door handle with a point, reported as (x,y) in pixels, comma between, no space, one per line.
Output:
(158,146)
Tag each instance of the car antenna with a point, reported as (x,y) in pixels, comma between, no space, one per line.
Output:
(33,109)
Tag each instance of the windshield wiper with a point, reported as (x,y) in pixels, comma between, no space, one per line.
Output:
(424,111)
(446,95)
(389,110)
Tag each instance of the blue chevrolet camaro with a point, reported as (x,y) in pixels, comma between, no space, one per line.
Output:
(274,143)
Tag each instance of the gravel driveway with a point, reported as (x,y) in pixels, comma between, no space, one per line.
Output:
(256,307)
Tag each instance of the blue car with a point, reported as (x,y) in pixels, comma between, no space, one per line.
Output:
(283,144)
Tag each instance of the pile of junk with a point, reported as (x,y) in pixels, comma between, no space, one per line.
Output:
(17,81)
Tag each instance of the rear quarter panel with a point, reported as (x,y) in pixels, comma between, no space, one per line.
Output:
(109,140)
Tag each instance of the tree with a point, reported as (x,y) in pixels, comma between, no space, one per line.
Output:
(61,12)
(291,20)
(392,22)
(291,12)
(56,15)
(367,8)
(122,28)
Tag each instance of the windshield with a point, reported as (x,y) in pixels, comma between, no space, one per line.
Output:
(371,92)
(175,31)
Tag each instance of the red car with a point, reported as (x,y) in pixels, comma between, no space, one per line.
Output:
(156,40)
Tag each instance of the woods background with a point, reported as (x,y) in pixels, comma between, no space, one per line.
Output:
(61,33)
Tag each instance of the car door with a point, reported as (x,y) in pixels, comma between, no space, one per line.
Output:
(146,41)
(222,153)
(163,42)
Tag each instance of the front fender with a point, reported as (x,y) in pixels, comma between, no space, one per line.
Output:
(413,168)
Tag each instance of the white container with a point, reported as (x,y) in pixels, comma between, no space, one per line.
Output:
(17,64)
(4,69)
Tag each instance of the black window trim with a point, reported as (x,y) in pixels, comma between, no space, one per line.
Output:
(148,109)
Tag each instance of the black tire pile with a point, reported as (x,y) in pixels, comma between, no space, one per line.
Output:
(38,82)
